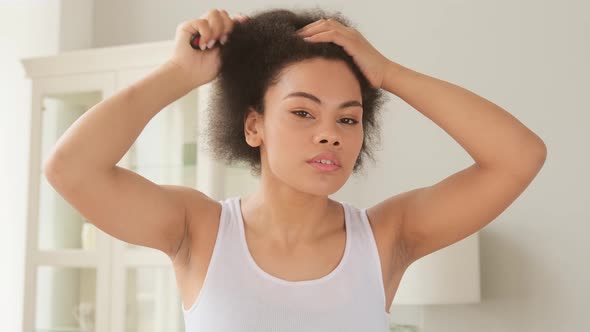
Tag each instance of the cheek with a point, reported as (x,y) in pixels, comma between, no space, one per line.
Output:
(361,138)
(355,143)
(284,141)
(290,130)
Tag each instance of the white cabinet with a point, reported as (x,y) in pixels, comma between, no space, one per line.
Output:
(79,278)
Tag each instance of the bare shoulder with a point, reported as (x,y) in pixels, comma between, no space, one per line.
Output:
(202,219)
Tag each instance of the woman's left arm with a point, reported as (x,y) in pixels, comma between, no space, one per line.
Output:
(507,154)
(493,137)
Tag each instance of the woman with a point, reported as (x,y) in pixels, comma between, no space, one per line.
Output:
(295,98)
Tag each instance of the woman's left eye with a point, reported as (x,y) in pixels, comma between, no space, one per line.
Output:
(350,121)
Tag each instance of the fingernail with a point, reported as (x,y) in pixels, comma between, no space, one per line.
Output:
(223,39)
(211,43)
(203,47)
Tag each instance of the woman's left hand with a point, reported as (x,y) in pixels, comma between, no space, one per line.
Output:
(372,63)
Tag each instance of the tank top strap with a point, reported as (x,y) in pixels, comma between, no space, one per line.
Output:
(366,244)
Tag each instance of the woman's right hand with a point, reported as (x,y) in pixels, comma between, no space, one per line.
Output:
(202,66)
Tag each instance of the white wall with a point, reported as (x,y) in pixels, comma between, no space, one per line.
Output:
(529,57)
(28,28)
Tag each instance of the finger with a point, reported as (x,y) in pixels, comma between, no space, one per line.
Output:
(310,25)
(328,36)
(312,30)
(241,18)
(228,23)
(313,24)
(228,26)
(217,27)
(201,26)
(342,30)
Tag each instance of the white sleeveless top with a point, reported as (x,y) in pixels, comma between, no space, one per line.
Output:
(238,296)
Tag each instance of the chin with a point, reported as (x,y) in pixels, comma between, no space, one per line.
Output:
(312,181)
(321,185)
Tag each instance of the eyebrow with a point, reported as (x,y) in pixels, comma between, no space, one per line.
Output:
(351,103)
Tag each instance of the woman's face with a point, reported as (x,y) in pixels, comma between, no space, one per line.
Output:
(316,107)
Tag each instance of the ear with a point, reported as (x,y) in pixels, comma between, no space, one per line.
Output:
(253,124)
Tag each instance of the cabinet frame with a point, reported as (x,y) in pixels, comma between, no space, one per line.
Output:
(98,259)
(84,71)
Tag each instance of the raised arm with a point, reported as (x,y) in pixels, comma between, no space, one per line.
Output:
(507,154)
(507,157)
(82,167)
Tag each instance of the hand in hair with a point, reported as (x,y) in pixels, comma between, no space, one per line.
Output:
(372,63)
(202,65)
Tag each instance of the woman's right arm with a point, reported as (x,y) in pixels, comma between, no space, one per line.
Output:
(82,166)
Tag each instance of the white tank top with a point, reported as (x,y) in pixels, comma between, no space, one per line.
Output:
(238,296)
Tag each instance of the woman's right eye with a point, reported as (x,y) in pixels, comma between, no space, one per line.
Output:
(299,112)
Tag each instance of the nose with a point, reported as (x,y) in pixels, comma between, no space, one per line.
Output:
(328,136)
(328,132)
(331,140)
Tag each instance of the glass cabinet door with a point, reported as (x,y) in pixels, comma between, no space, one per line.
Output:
(60,225)
(67,268)
(152,301)
(79,278)
(65,299)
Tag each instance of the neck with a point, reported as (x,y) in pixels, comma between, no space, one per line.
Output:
(287,218)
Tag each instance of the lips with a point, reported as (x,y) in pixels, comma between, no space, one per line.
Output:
(325,156)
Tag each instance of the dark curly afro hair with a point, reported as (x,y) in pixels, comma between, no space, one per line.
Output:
(252,60)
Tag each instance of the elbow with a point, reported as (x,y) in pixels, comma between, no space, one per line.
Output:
(533,167)
(50,167)
(50,164)
(51,173)
(541,153)
(55,171)
(535,153)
